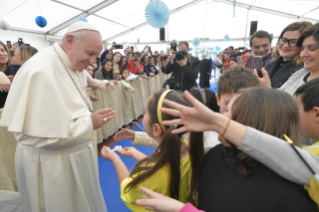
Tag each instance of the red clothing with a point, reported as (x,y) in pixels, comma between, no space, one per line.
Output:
(132,68)
(190,208)
(226,66)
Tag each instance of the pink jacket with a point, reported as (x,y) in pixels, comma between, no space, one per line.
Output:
(190,208)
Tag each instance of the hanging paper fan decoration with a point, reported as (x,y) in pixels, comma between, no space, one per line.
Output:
(217,48)
(81,18)
(196,42)
(4,25)
(41,21)
(114,43)
(157,14)
(138,41)
(226,38)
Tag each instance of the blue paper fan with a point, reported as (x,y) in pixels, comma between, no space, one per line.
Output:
(41,21)
(157,14)
(217,48)
(81,18)
(196,42)
(226,38)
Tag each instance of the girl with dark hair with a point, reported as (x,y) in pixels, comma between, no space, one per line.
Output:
(173,168)
(123,64)
(232,62)
(240,177)
(106,72)
(152,66)
(117,61)
(158,63)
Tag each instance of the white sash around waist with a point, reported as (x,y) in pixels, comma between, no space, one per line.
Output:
(56,151)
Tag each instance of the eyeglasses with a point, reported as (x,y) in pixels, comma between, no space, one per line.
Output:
(291,42)
(264,46)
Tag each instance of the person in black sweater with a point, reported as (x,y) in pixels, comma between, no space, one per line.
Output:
(233,181)
(184,72)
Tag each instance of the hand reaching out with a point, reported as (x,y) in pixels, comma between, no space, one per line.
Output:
(265,80)
(157,202)
(99,117)
(198,118)
(124,134)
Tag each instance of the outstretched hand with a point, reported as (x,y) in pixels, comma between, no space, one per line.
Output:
(197,119)
(124,134)
(157,202)
(265,80)
(101,117)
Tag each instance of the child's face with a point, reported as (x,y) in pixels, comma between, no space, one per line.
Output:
(223,101)
(89,69)
(309,121)
(125,74)
(108,66)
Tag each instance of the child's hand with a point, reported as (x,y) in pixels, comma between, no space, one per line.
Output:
(108,154)
(128,151)
(132,89)
(112,85)
(124,134)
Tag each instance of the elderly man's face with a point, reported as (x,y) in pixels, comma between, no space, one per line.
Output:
(261,46)
(85,51)
(204,56)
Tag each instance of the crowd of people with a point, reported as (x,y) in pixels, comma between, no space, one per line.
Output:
(223,151)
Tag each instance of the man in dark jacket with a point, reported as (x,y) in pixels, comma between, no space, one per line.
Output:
(205,68)
(184,72)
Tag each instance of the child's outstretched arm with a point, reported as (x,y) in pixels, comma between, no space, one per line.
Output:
(120,168)
(132,152)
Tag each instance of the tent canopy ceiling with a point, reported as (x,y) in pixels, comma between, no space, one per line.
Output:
(206,18)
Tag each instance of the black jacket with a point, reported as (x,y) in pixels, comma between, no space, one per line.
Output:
(280,74)
(184,77)
(221,188)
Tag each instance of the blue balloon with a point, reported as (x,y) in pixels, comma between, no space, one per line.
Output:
(41,21)
(114,43)
(81,18)
(226,38)
(196,42)
(157,14)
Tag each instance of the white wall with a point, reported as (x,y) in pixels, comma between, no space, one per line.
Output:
(35,40)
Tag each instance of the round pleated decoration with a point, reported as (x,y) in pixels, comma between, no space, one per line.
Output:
(81,18)
(41,21)
(157,14)
(226,37)
(196,42)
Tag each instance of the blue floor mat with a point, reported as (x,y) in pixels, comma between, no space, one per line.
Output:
(108,179)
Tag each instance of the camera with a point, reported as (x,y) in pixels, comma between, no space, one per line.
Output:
(21,43)
(180,55)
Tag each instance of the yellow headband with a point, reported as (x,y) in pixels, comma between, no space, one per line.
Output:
(159,105)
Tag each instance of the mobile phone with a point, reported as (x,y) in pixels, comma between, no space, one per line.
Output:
(241,48)
(149,48)
(136,59)
(245,57)
(238,60)
(132,47)
(258,65)
(118,46)
(9,44)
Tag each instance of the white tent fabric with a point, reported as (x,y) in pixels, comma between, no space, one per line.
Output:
(204,19)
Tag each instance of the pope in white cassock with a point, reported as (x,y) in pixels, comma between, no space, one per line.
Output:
(49,112)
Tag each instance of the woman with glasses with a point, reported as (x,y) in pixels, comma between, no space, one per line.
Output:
(287,54)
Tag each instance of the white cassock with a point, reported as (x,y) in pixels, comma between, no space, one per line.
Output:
(56,165)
